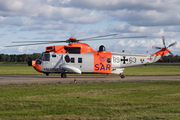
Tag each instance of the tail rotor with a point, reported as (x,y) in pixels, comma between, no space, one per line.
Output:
(164,50)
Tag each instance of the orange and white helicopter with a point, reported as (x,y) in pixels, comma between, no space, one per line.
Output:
(80,58)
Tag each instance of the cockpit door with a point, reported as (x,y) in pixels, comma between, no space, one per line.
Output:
(46,60)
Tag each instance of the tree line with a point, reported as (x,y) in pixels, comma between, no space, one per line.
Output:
(34,56)
(170,59)
(18,58)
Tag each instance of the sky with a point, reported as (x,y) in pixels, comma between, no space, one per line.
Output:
(50,20)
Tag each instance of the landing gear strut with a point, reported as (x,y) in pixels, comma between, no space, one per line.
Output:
(122,76)
(63,75)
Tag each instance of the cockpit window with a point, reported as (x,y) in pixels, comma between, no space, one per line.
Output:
(41,56)
(46,57)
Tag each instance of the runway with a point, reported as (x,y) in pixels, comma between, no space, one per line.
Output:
(19,79)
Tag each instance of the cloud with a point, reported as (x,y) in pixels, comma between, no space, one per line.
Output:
(135,5)
(11,5)
(52,19)
(53,32)
(136,12)
(147,18)
(150,31)
(93,17)
(16,21)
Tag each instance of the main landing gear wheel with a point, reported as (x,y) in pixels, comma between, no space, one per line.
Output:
(63,75)
(122,76)
(47,74)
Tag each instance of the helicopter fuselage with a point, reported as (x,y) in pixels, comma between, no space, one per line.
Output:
(81,58)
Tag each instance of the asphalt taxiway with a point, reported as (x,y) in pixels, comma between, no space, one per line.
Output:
(19,79)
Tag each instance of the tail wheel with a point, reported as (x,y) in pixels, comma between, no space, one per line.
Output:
(122,76)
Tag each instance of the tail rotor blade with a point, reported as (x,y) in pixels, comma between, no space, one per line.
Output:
(163,39)
(154,47)
(172,44)
(172,54)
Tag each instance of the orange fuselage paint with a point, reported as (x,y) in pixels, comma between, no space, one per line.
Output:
(102,62)
(36,67)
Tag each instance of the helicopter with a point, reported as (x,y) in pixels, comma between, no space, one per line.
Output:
(80,58)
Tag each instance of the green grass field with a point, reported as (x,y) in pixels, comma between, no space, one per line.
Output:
(154,69)
(122,101)
(17,69)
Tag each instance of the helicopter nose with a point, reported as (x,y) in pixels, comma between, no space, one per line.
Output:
(30,63)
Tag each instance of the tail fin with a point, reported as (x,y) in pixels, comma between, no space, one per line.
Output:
(163,51)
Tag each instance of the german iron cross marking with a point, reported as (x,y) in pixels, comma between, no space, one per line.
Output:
(124,60)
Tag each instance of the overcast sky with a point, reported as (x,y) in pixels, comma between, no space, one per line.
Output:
(24,20)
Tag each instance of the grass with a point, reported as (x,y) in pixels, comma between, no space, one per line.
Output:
(154,69)
(151,69)
(17,69)
(123,100)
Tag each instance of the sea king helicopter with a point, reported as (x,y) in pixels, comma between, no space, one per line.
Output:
(80,58)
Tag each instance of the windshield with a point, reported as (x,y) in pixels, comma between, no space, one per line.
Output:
(41,56)
(44,57)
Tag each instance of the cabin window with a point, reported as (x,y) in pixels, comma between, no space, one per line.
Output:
(72,60)
(53,55)
(46,57)
(108,60)
(79,60)
(73,50)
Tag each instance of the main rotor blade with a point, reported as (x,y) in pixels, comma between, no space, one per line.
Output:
(36,41)
(66,40)
(79,40)
(29,44)
(117,38)
(97,37)
(70,41)
(172,44)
